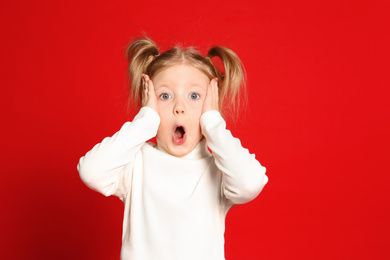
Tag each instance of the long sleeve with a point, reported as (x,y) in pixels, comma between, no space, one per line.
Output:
(243,177)
(105,167)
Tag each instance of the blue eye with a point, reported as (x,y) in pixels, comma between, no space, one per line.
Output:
(194,96)
(165,96)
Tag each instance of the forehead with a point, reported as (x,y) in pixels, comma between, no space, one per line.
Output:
(180,75)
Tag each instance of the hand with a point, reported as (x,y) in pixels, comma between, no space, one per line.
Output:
(211,100)
(149,98)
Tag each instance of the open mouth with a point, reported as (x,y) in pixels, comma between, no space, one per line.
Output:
(179,135)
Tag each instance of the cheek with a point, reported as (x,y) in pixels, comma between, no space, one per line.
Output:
(195,114)
(196,107)
(165,125)
(196,110)
(163,132)
(164,120)
(163,110)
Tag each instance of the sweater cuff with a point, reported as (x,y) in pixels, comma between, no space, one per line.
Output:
(150,115)
(148,112)
(210,118)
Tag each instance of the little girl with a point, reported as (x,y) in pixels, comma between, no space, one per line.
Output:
(176,193)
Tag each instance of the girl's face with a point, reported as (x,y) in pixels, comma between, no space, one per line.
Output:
(180,91)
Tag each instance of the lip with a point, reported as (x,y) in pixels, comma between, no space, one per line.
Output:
(176,139)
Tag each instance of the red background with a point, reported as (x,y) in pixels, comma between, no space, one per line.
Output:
(318,119)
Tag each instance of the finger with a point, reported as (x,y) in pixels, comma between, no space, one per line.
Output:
(145,94)
(212,82)
(146,80)
(146,77)
(216,87)
(150,88)
(210,87)
(209,92)
(213,88)
(215,94)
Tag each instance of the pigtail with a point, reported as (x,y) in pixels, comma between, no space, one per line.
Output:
(232,90)
(140,53)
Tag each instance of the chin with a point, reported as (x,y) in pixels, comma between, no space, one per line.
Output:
(179,152)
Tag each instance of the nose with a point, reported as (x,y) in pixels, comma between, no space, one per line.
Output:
(179,108)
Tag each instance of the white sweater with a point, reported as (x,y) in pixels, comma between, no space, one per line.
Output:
(175,208)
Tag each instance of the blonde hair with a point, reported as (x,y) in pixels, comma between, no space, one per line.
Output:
(144,58)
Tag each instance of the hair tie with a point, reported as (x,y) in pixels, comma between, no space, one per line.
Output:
(152,57)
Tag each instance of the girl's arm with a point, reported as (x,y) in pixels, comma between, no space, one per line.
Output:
(243,176)
(105,167)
